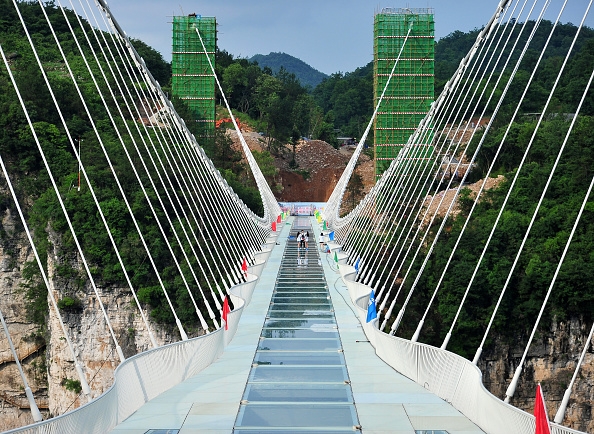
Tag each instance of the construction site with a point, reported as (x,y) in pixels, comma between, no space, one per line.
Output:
(411,90)
(192,78)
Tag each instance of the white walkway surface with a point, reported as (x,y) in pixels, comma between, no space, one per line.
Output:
(386,401)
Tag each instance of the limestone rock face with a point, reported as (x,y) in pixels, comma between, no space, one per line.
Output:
(91,337)
(48,361)
(551,361)
(14,410)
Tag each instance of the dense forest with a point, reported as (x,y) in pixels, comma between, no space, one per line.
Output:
(19,152)
(284,110)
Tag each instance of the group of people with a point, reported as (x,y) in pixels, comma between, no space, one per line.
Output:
(303,239)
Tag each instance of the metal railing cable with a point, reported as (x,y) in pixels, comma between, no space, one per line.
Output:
(486,177)
(502,293)
(452,83)
(511,188)
(332,208)
(440,230)
(258,232)
(174,116)
(512,387)
(128,206)
(96,201)
(271,207)
(120,137)
(394,262)
(420,198)
(150,176)
(446,93)
(216,254)
(164,170)
(75,238)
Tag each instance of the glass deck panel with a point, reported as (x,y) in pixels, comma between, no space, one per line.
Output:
(299,344)
(298,358)
(297,415)
(300,307)
(298,381)
(300,322)
(296,314)
(298,374)
(298,393)
(297,333)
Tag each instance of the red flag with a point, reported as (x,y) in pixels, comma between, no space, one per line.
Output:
(274,226)
(244,267)
(225,312)
(540,413)
(278,219)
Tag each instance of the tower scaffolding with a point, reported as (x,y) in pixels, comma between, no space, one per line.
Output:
(192,79)
(411,91)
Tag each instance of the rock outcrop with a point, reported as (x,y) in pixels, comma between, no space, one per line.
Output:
(551,361)
(47,360)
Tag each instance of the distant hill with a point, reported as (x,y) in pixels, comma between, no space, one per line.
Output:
(307,75)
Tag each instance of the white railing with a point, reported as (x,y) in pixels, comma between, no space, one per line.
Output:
(146,375)
(449,376)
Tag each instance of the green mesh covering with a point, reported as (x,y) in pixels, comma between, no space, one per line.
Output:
(411,91)
(192,79)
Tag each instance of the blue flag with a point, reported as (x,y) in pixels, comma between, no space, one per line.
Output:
(371,312)
(331,236)
(357,265)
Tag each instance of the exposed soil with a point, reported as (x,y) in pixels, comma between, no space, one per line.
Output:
(449,197)
(319,167)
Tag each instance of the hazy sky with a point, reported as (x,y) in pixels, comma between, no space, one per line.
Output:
(330,35)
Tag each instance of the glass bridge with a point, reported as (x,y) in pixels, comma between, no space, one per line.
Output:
(299,378)
(298,363)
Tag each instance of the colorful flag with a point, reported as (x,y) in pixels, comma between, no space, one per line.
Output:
(244,267)
(331,236)
(336,259)
(278,219)
(371,310)
(226,311)
(325,228)
(357,265)
(540,413)
(273,226)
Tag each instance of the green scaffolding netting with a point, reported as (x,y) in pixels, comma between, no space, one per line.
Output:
(411,91)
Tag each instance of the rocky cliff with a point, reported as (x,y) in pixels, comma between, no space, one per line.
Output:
(30,348)
(551,361)
(47,361)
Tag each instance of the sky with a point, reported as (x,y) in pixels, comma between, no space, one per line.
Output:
(330,35)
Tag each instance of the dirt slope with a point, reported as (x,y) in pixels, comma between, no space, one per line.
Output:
(319,168)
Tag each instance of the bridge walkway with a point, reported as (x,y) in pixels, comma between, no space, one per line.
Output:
(214,401)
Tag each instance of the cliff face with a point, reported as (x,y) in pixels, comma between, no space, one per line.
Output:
(48,363)
(551,361)
(14,411)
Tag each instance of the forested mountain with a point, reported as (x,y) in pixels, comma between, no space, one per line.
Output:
(307,76)
(450,50)
(278,105)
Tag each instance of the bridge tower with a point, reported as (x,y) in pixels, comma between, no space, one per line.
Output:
(411,91)
(192,79)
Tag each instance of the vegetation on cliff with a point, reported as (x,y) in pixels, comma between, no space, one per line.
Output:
(283,109)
